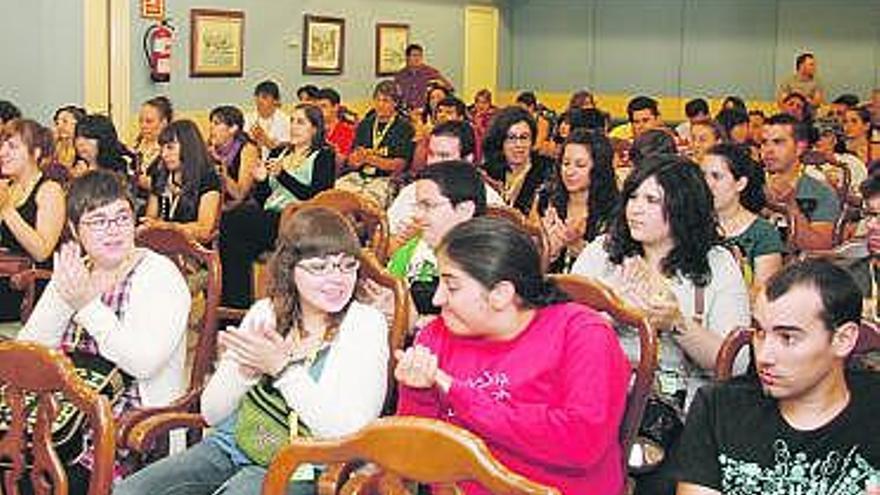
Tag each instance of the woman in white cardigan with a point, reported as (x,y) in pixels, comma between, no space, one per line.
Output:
(321,354)
(101,302)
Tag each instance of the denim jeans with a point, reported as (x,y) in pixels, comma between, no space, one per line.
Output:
(204,469)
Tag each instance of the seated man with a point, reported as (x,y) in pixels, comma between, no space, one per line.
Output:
(808,425)
(383,148)
(447,193)
(448,141)
(267,125)
(861,262)
(810,204)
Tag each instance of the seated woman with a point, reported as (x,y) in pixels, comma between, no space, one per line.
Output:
(97,146)
(542,381)
(65,120)
(308,168)
(737,185)
(509,158)
(31,205)
(320,354)
(704,135)
(185,186)
(662,254)
(578,204)
(155,114)
(235,152)
(103,298)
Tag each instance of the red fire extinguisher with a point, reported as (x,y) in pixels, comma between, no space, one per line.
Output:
(157,49)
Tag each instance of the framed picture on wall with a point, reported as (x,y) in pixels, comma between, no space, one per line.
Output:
(216,43)
(391,41)
(323,45)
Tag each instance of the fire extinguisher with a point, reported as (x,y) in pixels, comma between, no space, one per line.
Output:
(157,49)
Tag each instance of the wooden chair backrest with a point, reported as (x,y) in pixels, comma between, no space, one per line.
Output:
(868,342)
(29,368)
(419,449)
(520,220)
(12,264)
(601,298)
(190,258)
(367,216)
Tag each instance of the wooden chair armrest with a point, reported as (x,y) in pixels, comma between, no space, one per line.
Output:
(188,403)
(335,476)
(25,279)
(143,435)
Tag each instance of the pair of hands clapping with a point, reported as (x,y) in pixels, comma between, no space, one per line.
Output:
(75,283)
(259,349)
(417,367)
(648,290)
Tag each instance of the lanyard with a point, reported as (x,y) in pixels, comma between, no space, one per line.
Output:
(378,137)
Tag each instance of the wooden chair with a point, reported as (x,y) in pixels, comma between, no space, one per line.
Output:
(418,449)
(29,368)
(12,264)
(154,424)
(601,298)
(869,341)
(533,229)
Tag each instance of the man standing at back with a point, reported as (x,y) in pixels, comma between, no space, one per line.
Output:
(807,426)
(412,80)
(803,81)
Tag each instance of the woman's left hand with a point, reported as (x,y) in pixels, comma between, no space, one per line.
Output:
(72,278)
(417,367)
(663,311)
(261,352)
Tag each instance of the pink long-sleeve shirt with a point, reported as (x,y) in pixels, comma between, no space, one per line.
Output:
(548,403)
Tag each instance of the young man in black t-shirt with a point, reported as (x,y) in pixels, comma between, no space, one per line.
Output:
(807,426)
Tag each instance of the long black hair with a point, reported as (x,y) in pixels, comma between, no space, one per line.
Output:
(603,193)
(195,162)
(741,164)
(493,250)
(111,152)
(688,206)
(493,144)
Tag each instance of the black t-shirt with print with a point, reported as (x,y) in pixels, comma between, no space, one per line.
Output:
(397,141)
(737,442)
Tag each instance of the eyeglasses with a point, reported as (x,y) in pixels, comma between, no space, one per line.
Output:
(425,205)
(522,138)
(103,223)
(324,266)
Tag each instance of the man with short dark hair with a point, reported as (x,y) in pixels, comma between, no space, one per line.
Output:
(267,126)
(412,81)
(696,110)
(340,133)
(8,111)
(803,81)
(841,104)
(643,113)
(810,204)
(807,425)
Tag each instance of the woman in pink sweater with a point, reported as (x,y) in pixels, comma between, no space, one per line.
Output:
(541,380)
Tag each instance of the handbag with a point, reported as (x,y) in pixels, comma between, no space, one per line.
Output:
(264,423)
(69,425)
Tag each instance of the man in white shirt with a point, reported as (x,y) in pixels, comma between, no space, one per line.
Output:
(268,126)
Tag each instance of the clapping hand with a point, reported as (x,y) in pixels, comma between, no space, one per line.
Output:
(417,367)
(648,290)
(76,286)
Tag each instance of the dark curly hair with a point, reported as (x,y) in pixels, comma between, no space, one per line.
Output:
(603,194)
(111,152)
(310,232)
(741,164)
(687,206)
(493,143)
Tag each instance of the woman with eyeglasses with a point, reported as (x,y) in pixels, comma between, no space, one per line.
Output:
(542,381)
(102,301)
(309,348)
(510,159)
(31,204)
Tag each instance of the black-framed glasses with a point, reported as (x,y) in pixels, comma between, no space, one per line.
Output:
(104,223)
(324,266)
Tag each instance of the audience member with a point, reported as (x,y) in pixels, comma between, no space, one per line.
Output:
(829,149)
(803,82)
(582,99)
(696,110)
(412,81)
(734,124)
(186,189)
(308,351)
(857,128)
(449,109)
(509,158)
(98,146)
(267,126)
(308,168)
(863,267)
(114,303)
(234,153)
(733,102)
(579,202)
(339,132)
(652,142)
(810,204)
(704,135)
(737,185)
(31,204)
(482,111)
(8,112)
(65,120)
(155,114)
(643,114)
(383,148)
(542,142)
(307,94)
(807,424)
(840,105)
(479,365)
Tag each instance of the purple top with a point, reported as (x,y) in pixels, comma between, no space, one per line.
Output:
(413,83)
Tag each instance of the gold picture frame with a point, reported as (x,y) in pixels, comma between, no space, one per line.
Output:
(323,45)
(153,9)
(216,43)
(391,42)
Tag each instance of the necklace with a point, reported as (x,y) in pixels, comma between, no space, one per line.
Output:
(379,136)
